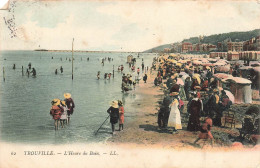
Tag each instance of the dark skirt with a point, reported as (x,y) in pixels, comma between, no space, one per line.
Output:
(113,120)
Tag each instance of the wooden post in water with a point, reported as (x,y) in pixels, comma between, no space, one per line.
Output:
(113,71)
(4,73)
(72,57)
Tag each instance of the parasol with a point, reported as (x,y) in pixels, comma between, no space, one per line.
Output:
(230,96)
(180,81)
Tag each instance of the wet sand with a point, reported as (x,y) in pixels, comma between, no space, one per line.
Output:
(142,129)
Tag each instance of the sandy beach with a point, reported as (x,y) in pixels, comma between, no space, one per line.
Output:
(142,129)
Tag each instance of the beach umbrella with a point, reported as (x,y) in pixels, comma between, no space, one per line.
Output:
(207,64)
(219,63)
(182,73)
(197,76)
(172,61)
(224,68)
(179,64)
(204,60)
(196,62)
(184,77)
(183,61)
(230,96)
(222,75)
(180,81)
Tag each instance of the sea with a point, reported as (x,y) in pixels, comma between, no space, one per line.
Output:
(26,100)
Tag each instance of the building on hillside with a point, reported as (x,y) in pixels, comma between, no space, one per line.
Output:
(186,47)
(234,46)
(211,47)
(166,50)
(252,44)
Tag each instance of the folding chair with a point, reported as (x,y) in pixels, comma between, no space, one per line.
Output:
(229,118)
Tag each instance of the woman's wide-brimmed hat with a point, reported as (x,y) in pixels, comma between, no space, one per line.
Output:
(120,103)
(208,68)
(55,102)
(63,103)
(197,87)
(114,104)
(67,95)
(174,93)
(215,90)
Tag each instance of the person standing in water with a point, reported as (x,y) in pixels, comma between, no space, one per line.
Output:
(61,69)
(121,115)
(29,66)
(113,112)
(56,111)
(70,104)
(56,71)
(98,75)
(109,75)
(33,72)
(28,73)
(138,71)
(64,115)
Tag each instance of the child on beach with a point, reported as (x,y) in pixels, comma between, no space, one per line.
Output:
(56,111)
(70,104)
(64,116)
(205,132)
(121,115)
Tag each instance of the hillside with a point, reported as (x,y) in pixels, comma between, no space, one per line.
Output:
(214,39)
(158,49)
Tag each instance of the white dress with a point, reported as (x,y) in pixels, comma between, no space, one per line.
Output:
(175,116)
(64,115)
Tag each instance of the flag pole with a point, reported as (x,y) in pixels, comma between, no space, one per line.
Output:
(72,57)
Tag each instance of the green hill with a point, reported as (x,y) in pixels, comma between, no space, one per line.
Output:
(214,39)
(158,49)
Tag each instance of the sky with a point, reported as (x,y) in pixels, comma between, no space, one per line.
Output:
(119,25)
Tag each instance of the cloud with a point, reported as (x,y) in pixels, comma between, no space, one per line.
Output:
(125,25)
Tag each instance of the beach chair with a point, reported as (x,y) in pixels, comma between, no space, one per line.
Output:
(229,118)
(247,128)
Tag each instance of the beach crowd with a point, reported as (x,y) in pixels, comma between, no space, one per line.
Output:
(182,81)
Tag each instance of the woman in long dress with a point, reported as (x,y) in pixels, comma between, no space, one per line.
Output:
(114,114)
(195,106)
(175,116)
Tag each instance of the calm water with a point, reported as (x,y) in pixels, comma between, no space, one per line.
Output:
(25,102)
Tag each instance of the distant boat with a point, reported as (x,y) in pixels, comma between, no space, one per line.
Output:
(40,50)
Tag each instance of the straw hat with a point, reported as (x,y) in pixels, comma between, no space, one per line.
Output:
(207,67)
(120,103)
(55,102)
(67,95)
(114,104)
(63,103)
(174,93)
(197,87)
(215,90)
